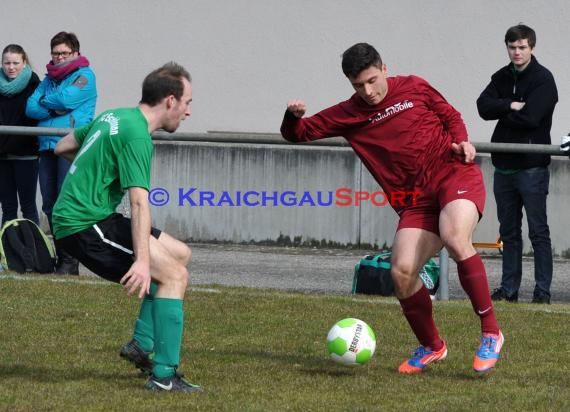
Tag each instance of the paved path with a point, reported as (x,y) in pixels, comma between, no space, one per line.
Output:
(330,270)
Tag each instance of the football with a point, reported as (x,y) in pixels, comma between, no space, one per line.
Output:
(351,342)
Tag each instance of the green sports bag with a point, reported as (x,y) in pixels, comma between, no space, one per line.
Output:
(372,275)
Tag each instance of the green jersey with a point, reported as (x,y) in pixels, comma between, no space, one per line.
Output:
(115,154)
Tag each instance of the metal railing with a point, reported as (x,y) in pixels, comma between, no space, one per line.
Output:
(212,137)
(273,138)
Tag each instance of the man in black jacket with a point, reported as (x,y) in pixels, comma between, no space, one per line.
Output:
(521,96)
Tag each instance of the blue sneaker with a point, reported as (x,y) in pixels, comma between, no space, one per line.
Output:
(488,353)
(423,356)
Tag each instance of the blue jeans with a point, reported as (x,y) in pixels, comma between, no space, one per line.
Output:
(52,173)
(18,181)
(527,188)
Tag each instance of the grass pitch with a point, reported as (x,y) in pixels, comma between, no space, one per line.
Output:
(265,350)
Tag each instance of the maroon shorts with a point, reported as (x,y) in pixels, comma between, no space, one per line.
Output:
(460,181)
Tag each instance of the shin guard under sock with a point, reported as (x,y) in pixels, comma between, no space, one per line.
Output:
(418,310)
(168,317)
(144,325)
(473,279)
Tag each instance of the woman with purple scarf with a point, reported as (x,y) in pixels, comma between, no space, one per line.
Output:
(65,98)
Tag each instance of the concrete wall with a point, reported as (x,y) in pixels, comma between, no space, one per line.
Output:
(245,168)
(248,57)
(233,168)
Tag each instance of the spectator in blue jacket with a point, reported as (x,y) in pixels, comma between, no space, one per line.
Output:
(65,98)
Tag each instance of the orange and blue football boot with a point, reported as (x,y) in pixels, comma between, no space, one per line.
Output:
(423,356)
(488,353)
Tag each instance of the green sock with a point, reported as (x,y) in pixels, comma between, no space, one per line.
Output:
(144,325)
(168,326)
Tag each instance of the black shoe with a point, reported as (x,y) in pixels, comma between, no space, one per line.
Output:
(174,383)
(68,267)
(66,264)
(501,294)
(138,357)
(541,297)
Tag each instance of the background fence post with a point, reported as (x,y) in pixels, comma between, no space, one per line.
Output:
(443,290)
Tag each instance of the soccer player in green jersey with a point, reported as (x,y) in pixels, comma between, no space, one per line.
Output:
(112,155)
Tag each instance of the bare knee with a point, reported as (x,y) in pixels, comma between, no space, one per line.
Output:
(181,276)
(406,281)
(461,251)
(174,247)
(186,255)
(458,246)
(181,252)
(174,280)
(178,277)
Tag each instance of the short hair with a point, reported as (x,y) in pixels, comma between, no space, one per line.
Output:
(16,49)
(520,32)
(163,82)
(358,58)
(67,38)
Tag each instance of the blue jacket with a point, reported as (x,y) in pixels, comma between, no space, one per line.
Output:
(69,103)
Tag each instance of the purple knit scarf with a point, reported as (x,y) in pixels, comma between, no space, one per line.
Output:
(59,71)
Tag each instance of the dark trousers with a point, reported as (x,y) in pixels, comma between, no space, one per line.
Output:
(527,188)
(18,184)
(52,172)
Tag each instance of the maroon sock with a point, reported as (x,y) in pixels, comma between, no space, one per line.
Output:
(418,311)
(473,278)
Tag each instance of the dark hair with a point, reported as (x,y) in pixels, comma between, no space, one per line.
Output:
(359,57)
(520,32)
(163,82)
(69,39)
(16,49)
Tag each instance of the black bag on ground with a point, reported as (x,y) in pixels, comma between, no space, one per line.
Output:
(372,275)
(24,247)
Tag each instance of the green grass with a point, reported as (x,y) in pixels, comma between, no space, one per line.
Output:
(265,350)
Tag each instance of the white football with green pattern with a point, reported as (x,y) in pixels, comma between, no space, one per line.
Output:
(351,342)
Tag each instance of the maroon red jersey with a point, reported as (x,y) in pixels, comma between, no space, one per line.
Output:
(404,141)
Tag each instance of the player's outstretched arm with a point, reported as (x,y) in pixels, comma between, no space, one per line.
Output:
(67,147)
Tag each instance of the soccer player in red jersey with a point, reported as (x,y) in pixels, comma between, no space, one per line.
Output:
(411,139)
